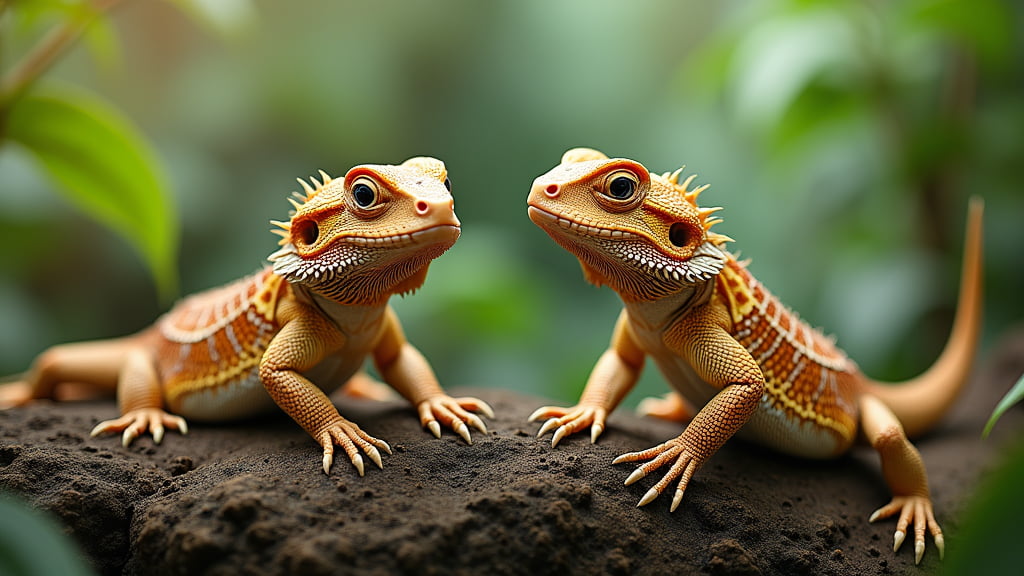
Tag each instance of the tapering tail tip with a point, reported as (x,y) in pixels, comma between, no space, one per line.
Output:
(919,403)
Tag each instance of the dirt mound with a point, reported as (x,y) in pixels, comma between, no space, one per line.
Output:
(252,498)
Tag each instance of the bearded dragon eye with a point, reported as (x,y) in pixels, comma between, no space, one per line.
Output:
(621,188)
(364,195)
(448,184)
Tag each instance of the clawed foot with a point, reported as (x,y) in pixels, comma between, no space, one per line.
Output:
(135,423)
(455,413)
(916,510)
(352,439)
(565,421)
(683,468)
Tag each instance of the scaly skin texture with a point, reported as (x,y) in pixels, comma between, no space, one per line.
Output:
(739,362)
(293,332)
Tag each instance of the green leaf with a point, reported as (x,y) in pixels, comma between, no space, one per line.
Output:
(102,164)
(31,543)
(989,529)
(1012,397)
(225,17)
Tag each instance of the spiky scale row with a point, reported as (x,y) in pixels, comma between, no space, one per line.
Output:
(691,196)
(298,200)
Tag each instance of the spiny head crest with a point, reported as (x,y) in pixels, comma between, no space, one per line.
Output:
(690,196)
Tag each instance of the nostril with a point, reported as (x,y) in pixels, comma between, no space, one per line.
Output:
(551,190)
(422,208)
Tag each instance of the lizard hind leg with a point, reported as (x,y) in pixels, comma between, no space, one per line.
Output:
(905,474)
(362,385)
(671,407)
(140,398)
(69,372)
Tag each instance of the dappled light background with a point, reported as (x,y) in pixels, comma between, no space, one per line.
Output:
(842,139)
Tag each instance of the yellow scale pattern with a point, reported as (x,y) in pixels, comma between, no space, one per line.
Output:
(807,378)
(217,338)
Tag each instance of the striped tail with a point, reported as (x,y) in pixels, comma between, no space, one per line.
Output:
(919,403)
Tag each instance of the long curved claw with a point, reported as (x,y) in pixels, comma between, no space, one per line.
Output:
(463,431)
(128,437)
(545,412)
(548,427)
(455,413)
(566,421)
(649,497)
(135,423)
(562,432)
(352,440)
(913,511)
(683,466)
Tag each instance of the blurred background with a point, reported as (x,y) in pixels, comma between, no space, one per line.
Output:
(843,140)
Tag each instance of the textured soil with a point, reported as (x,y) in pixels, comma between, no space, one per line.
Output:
(252,499)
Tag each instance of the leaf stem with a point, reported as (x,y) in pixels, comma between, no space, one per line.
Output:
(45,53)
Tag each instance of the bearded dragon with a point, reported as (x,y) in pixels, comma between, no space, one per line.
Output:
(294,331)
(727,346)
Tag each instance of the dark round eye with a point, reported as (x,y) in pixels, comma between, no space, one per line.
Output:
(306,231)
(448,184)
(621,188)
(364,195)
(679,234)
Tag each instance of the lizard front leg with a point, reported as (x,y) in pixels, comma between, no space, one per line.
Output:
(301,344)
(613,376)
(904,472)
(409,373)
(722,362)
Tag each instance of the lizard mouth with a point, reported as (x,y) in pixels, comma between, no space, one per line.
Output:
(430,235)
(634,250)
(354,252)
(544,218)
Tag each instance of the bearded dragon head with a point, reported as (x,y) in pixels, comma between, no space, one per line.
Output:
(639,233)
(371,234)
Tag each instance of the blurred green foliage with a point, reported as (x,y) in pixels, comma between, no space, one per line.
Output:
(987,543)
(842,138)
(32,544)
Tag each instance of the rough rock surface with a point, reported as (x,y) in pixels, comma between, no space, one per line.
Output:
(251,498)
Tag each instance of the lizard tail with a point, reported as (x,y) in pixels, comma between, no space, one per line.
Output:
(920,402)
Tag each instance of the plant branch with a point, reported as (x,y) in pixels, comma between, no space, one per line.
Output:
(46,52)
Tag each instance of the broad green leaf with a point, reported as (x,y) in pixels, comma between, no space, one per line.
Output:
(1012,397)
(102,164)
(225,17)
